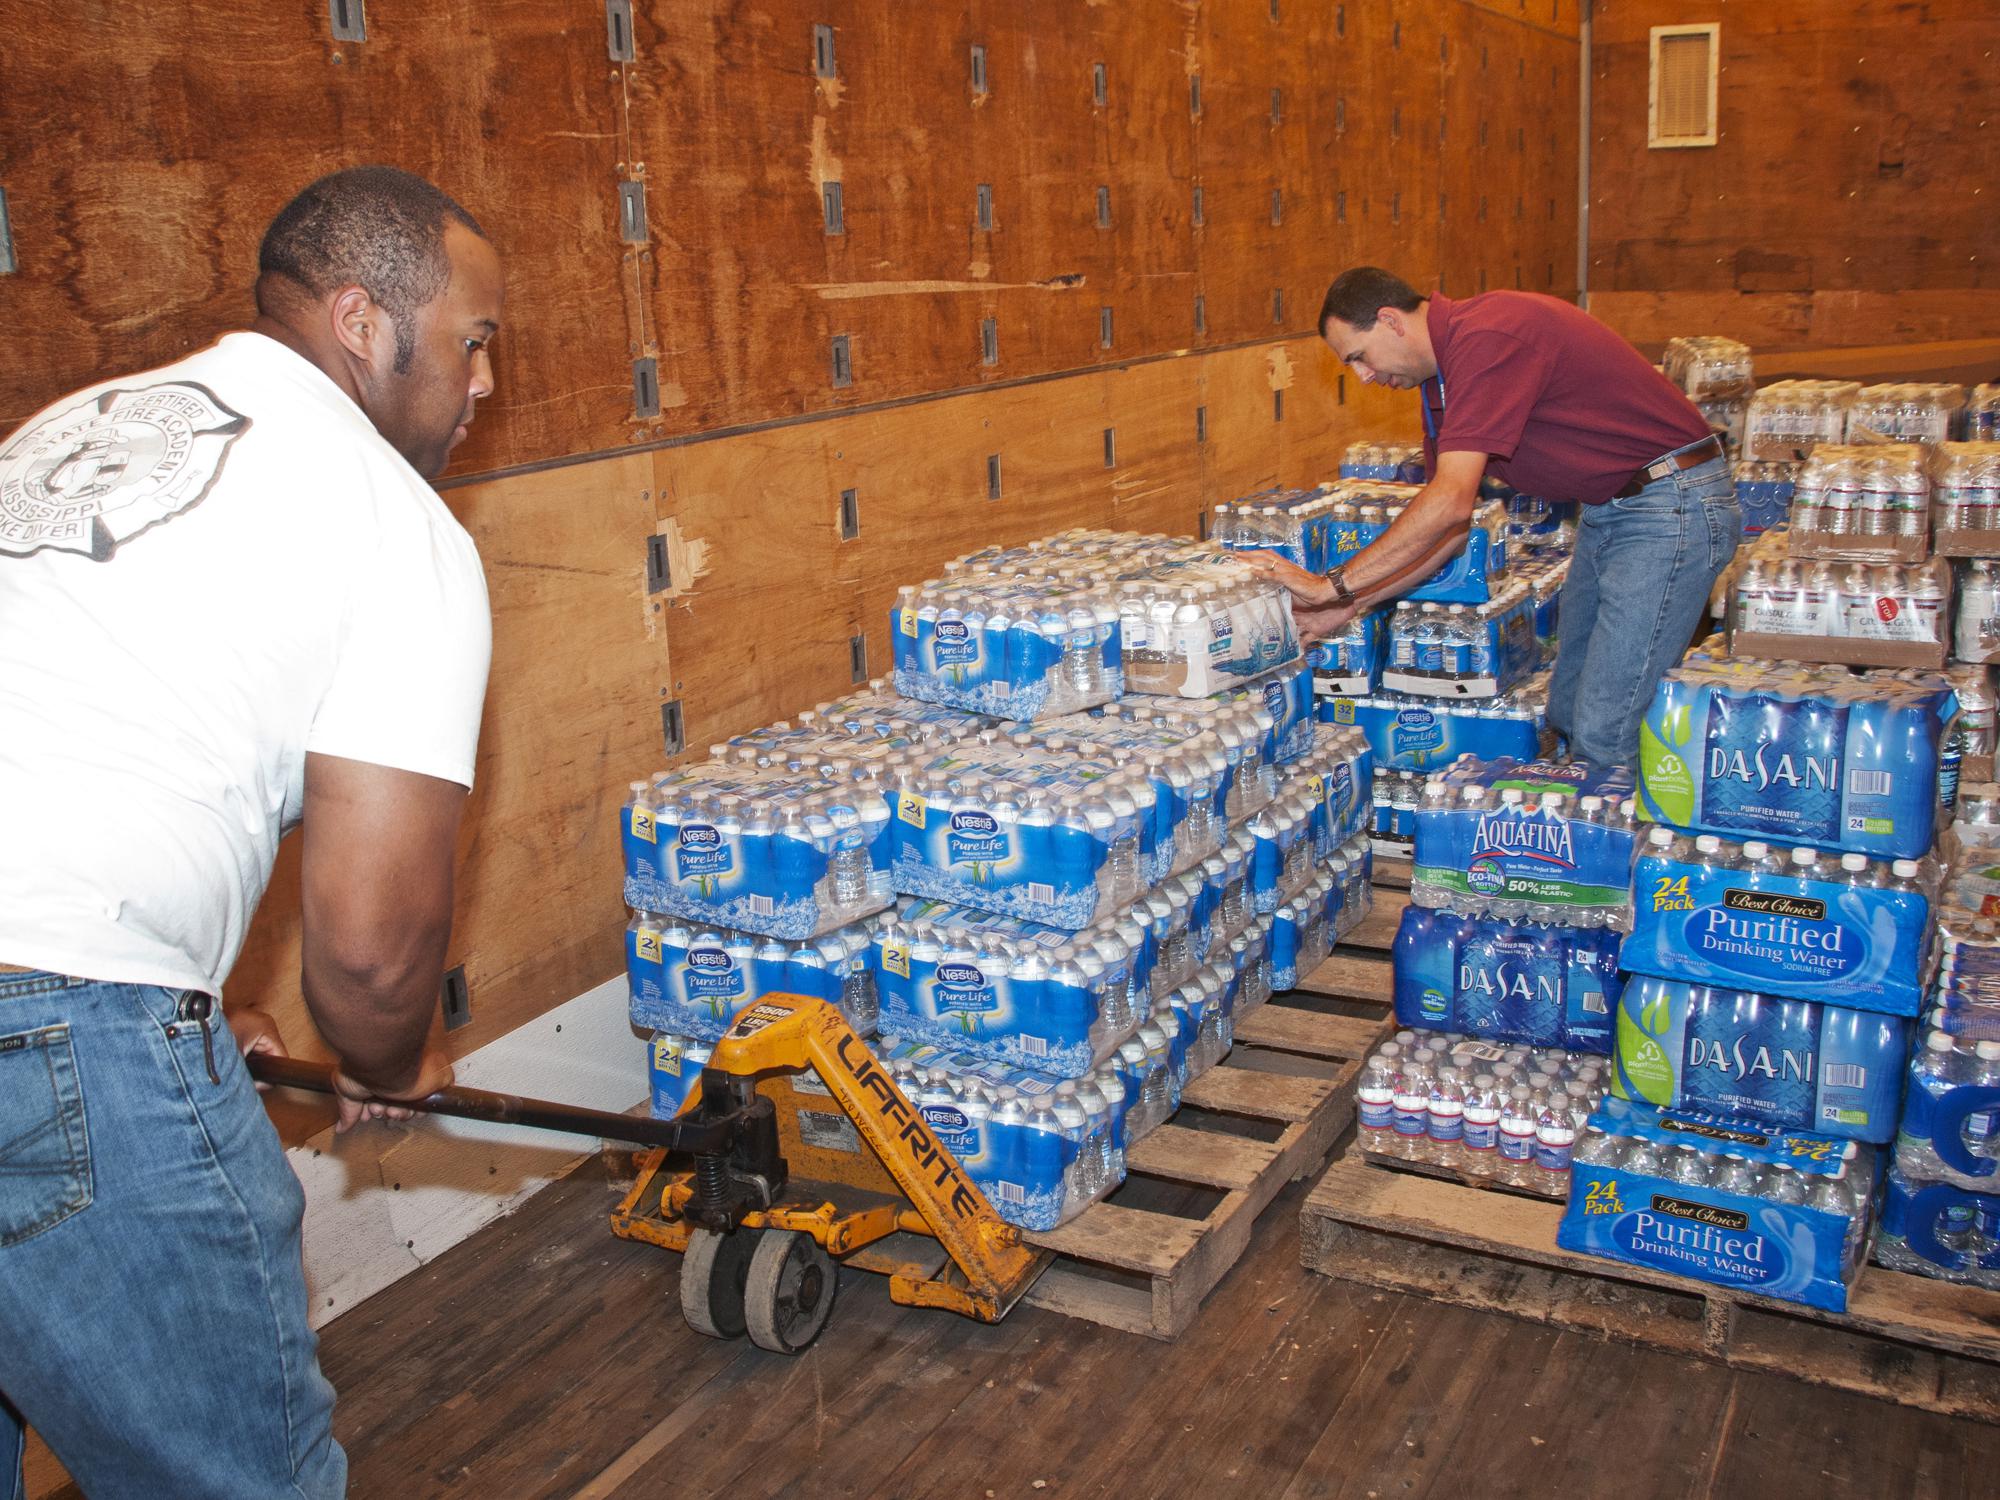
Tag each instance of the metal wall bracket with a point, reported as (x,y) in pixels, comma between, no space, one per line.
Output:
(1104,328)
(1278,305)
(1201,424)
(618,30)
(1100,85)
(659,567)
(8,265)
(1277,207)
(456,999)
(349,24)
(989,341)
(632,212)
(983,207)
(823,50)
(857,657)
(671,729)
(1103,207)
(646,387)
(1277,406)
(978,70)
(1277,106)
(1200,209)
(992,476)
(833,199)
(1194,94)
(843,361)
(1201,315)
(1111,447)
(850,515)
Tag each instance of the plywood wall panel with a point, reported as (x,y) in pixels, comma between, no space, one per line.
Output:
(1858,144)
(145,147)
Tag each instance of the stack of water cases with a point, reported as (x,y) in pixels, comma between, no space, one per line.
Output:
(1403,462)
(1906,413)
(1941,1206)
(1784,908)
(1519,896)
(1716,375)
(1510,1113)
(1052,909)
(1786,419)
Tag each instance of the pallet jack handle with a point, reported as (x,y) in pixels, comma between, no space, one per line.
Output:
(508,1109)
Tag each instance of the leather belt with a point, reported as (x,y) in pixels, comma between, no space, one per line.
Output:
(1692,456)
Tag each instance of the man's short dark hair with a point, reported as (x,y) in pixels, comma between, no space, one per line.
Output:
(376,227)
(1357,297)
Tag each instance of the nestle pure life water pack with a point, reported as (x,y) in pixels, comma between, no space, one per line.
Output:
(1789,1063)
(1782,921)
(1524,833)
(1804,755)
(754,848)
(1514,982)
(694,980)
(1782,1213)
(1411,733)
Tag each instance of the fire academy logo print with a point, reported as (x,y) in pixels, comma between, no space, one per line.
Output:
(97,474)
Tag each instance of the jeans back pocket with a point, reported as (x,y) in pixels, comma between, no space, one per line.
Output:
(44,1148)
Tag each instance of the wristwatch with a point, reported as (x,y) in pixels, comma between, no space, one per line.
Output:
(1343,596)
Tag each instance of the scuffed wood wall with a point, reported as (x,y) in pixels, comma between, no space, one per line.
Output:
(1849,199)
(1437,137)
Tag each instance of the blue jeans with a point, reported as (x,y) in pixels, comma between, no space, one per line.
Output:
(152,1301)
(1638,583)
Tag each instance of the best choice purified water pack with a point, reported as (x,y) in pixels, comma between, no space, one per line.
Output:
(1524,833)
(1787,1063)
(1514,982)
(1806,755)
(1779,1213)
(1783,921)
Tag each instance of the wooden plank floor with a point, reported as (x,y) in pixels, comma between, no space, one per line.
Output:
(545,1358)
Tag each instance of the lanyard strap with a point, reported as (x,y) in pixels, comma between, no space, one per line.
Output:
(1424,404)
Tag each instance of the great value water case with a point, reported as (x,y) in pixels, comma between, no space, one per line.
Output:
(1524,982)
(694,980)
(1788,1063)
(1809,756)
(1747,1241)
(1524,831)
(1783,924)
(760,849)
(1409,733)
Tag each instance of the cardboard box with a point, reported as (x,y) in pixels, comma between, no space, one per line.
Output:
(1976,542)
(1837,651)
(1851,547)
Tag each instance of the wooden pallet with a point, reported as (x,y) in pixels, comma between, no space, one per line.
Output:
(1144,1258)
(1450,1174)
(1906,1339)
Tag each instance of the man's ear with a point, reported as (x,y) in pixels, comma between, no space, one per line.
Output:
(1397,322)
(362,326)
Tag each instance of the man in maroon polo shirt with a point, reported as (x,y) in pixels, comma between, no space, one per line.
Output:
(1557,405)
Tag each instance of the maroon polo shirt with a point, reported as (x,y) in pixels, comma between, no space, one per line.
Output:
(1565,408)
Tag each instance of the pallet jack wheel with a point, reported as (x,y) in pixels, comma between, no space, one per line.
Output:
(789,1295)
(713,1274)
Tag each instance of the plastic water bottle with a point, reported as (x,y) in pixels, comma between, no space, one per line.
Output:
(1482,1126)
(1518,1120)
(1555,1138)
(1375,1099)
(1411,1109)
(1446,1125)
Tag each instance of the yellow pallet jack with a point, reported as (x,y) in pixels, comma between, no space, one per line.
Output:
(805,1153)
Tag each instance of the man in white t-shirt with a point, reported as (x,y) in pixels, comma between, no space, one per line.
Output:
(230,605)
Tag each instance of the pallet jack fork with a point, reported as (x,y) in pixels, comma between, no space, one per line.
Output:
(789,1086)
(875,1188)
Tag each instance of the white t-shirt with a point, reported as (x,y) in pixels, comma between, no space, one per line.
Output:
(207,571)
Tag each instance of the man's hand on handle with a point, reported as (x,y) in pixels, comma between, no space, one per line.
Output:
(359,1102)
